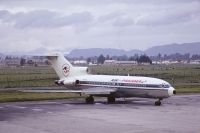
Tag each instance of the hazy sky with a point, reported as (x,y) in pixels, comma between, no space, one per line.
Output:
(42,25)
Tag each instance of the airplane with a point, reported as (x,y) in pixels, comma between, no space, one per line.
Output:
(78,80)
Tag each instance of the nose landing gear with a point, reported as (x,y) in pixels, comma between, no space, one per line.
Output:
(158,103)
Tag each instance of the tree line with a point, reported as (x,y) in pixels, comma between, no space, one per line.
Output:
(176,57)
(138,58)
(144,58)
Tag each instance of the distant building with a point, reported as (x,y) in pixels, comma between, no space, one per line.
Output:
(12,61)
(41,62)
(37,61)
(2,62)
(80,62)
(145,63)
(156,62)
(167,62)
(126,62)
(195,62)
(110,62)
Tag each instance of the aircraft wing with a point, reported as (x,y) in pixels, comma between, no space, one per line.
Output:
(89,91)
(51,91)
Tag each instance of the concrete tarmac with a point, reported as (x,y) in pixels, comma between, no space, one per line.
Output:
(178,114)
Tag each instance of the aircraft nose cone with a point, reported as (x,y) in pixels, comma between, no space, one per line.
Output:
(171,91)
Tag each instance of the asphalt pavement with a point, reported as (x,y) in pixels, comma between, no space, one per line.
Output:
(178,114)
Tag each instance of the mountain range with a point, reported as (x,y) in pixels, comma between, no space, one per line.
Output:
(105,51)
(192,48)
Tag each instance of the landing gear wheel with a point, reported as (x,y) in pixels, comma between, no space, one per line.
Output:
(111,99)
(158,103)
(89,100)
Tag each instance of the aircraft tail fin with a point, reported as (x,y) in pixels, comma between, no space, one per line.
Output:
(63,67)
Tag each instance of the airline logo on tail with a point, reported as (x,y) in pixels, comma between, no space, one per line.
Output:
(66,69)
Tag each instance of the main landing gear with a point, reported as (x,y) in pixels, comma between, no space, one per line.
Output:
(158,103)
(89,100)
(111,99)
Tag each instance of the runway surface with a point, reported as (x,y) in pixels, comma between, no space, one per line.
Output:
(178,114)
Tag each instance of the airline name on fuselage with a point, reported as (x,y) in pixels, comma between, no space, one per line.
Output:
(129,80)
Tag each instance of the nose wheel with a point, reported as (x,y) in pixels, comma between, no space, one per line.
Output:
(158,103)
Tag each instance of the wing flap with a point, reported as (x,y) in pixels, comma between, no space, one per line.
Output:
(98,91)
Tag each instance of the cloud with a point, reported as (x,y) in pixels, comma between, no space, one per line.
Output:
(28,25)
(44,19)
(110,16)
(121,22)
(182,14)
(4,13)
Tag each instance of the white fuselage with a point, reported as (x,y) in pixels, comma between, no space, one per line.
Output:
(127,86)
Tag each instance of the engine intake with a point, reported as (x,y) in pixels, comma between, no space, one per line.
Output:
(59,82)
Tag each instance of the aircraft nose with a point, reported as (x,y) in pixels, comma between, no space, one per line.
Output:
(171,91)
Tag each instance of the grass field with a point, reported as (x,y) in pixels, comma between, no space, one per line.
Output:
(27,77)
(185,78)
(22,96)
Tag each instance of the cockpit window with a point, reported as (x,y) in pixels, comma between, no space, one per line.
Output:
(165,85)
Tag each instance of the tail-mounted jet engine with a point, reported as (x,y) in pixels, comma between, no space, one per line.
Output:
(67,82)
